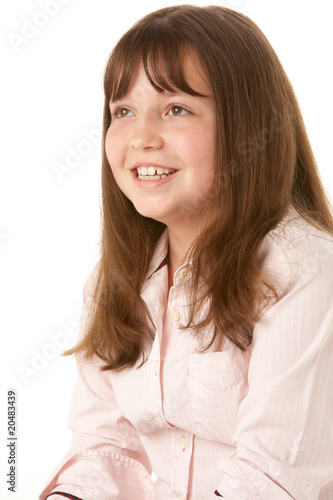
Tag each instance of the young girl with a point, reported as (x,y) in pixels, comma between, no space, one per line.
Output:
(207,353)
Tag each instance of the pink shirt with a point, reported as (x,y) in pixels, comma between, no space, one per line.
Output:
(252,425)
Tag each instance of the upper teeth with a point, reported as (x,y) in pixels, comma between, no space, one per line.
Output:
(153,170)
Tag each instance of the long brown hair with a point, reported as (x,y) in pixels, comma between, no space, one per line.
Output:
(264,165)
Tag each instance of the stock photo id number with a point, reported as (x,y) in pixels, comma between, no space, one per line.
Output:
(11,441)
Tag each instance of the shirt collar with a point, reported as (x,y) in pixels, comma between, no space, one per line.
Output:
(160,258)
(159,255)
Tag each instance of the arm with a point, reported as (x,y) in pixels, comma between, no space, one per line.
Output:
(106,459)
(284,430)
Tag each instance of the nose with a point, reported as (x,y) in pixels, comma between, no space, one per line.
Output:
(146,135)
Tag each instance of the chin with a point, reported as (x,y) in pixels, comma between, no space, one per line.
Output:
(150,213)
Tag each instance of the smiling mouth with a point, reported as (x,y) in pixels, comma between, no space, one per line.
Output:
(151,173)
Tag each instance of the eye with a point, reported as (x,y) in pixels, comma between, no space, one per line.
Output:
(122,113)
(176,110)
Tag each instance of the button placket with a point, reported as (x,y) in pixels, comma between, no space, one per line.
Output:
(184,442)
(153,404)
(175,314)
(156,367)
(158,422)
(185,274)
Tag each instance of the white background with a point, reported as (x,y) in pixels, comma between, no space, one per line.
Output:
(51,98)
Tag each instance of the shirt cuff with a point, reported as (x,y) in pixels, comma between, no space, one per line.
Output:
(62,494)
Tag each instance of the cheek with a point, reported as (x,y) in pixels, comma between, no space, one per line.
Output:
(203,141)
(114,146)
(204,185)
(205,164)
(113,155)
(204,154)
(109,145)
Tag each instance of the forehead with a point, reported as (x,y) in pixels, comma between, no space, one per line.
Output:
(193,74)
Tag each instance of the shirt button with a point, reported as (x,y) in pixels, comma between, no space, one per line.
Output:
(182,443)
(158,422)
(175,314)
(181,497)
(156,365)
(185,274)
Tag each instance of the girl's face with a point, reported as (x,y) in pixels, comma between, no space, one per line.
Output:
(162,148)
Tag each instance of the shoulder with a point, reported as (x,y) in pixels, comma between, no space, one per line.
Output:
(295,251)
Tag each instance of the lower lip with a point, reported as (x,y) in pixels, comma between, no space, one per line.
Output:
(151,184)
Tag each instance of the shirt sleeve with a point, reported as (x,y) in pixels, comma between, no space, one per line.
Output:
(284,427)
(106,459)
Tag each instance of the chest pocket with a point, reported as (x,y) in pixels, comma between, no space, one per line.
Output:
(217,383)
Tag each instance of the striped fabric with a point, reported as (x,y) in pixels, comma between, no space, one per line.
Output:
(253,425)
